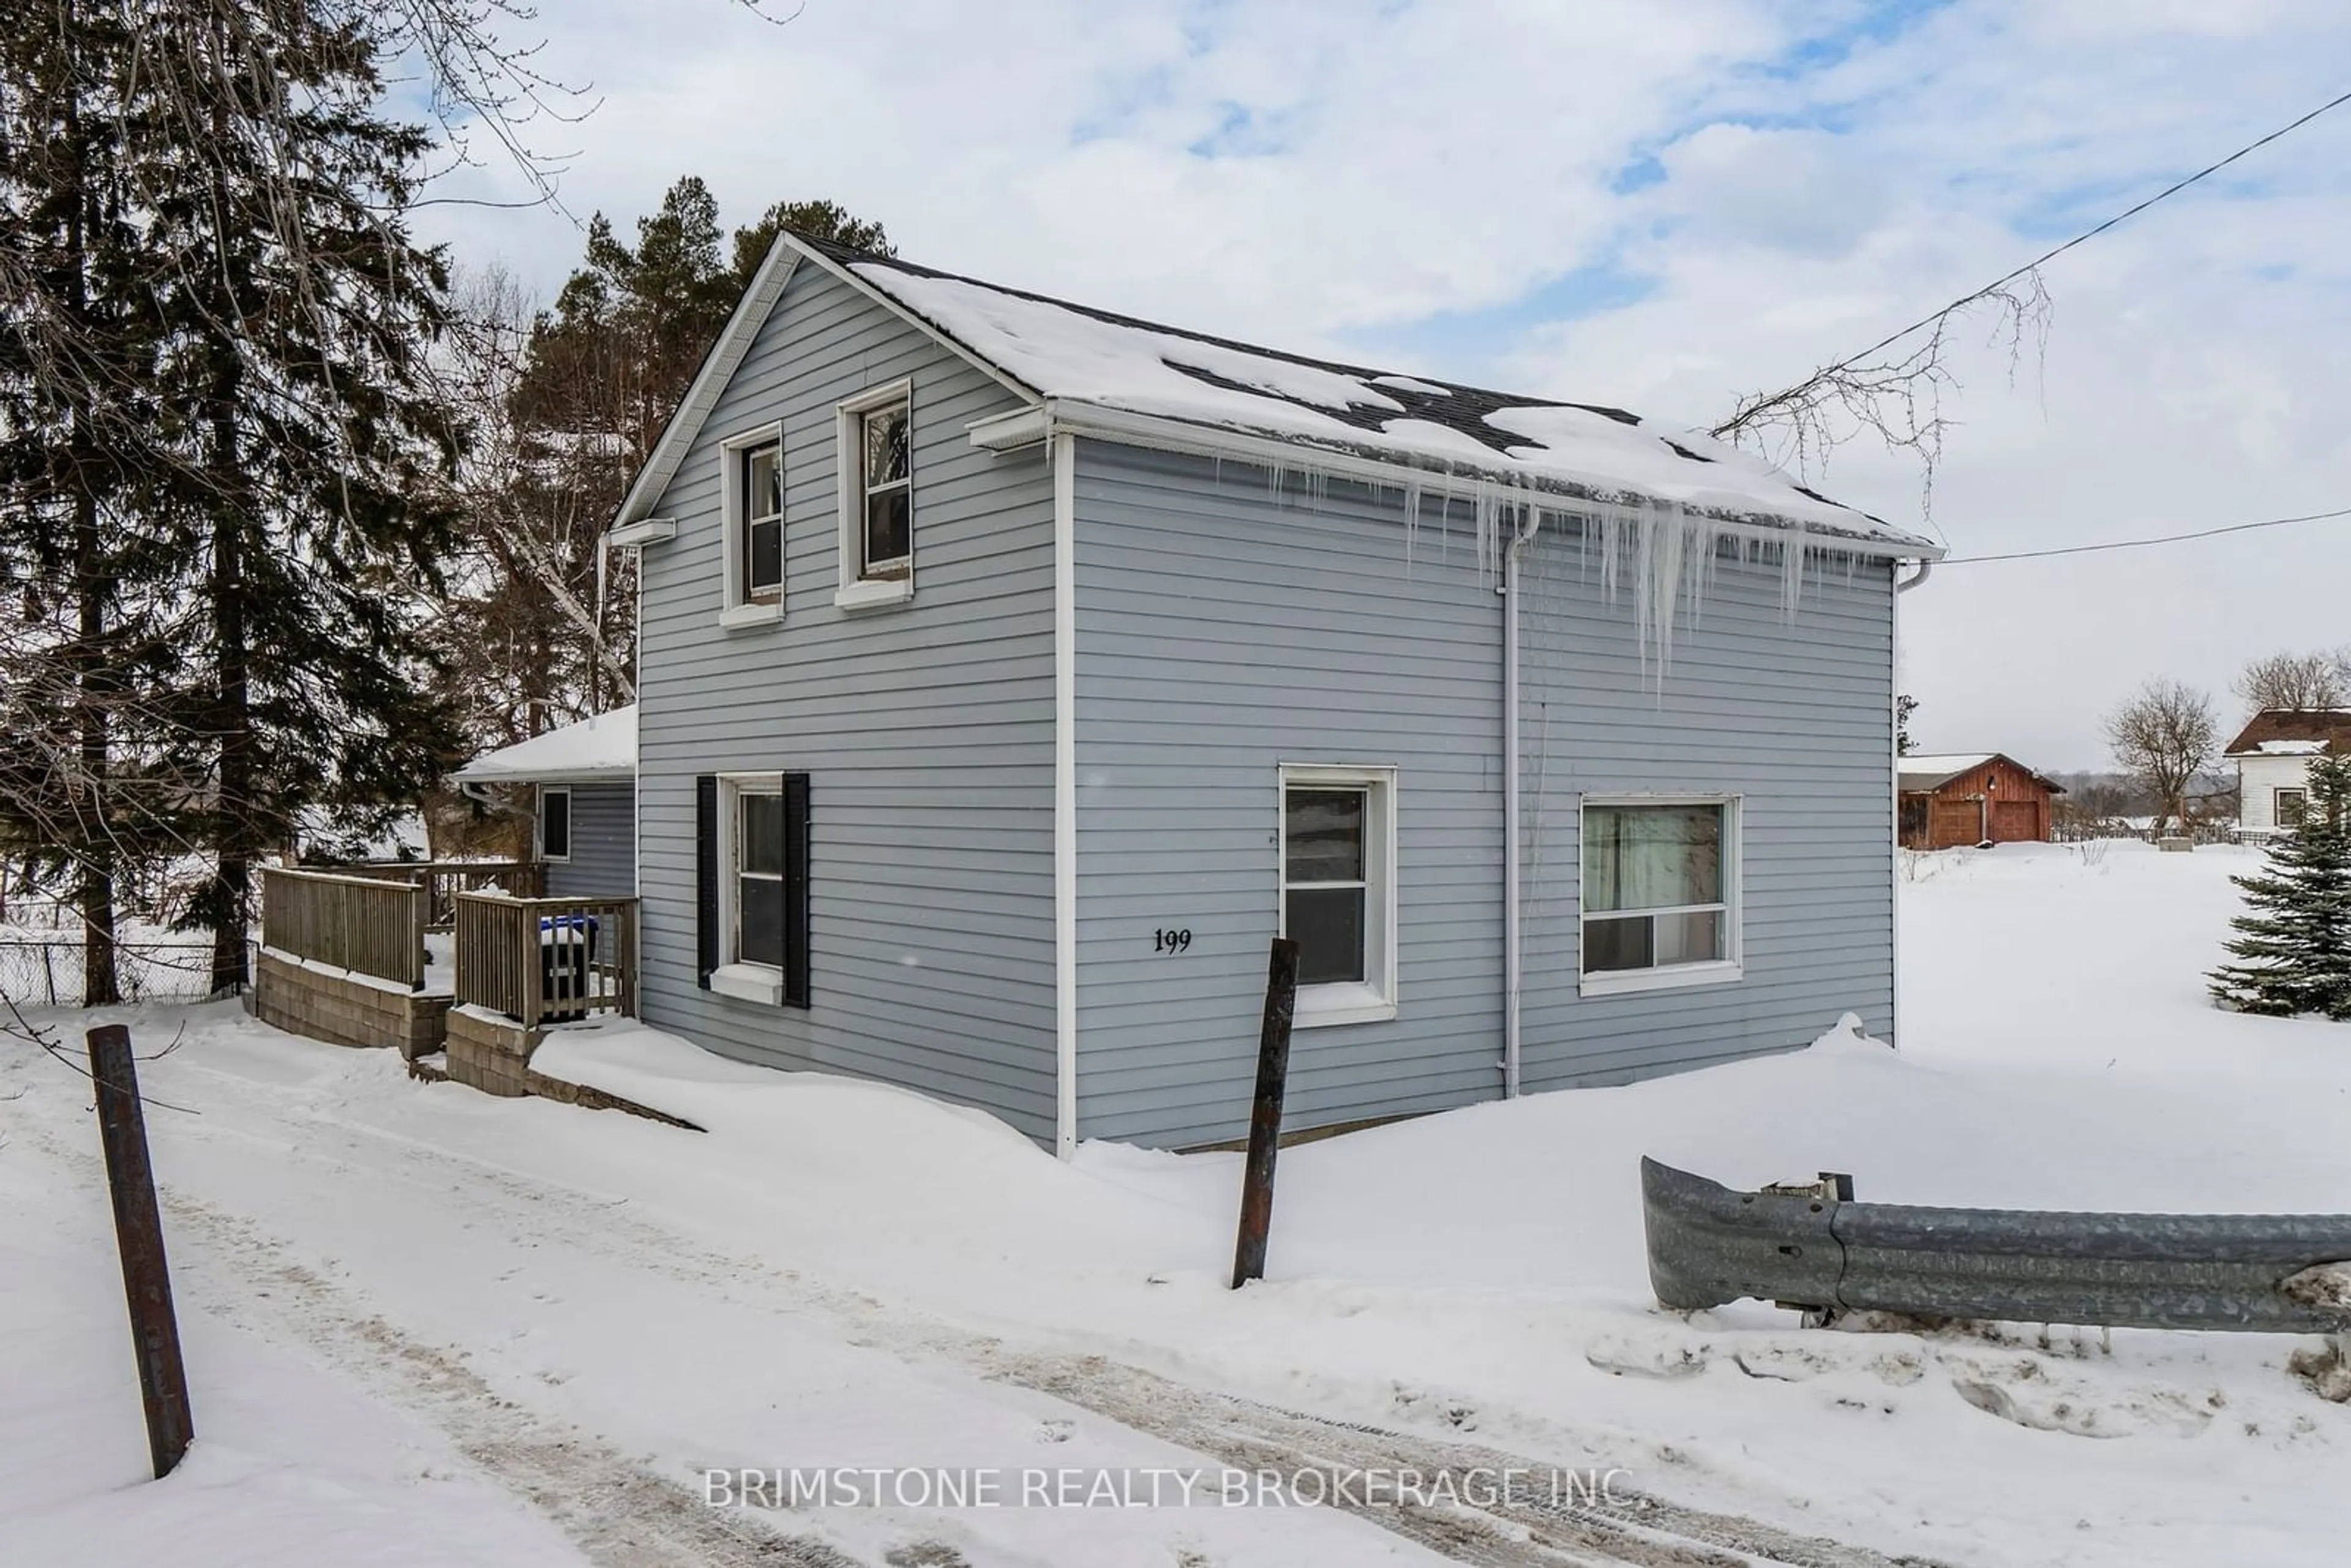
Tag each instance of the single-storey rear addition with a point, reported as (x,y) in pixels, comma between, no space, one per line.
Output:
(1013,672)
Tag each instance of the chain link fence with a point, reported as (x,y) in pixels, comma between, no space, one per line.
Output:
(46,971)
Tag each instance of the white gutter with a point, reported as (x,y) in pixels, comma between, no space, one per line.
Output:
(1063,454)
(1512,955)
(1023,427)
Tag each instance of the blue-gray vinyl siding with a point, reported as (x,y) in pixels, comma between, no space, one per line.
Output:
(604,863)
(926,728)
(1223,629)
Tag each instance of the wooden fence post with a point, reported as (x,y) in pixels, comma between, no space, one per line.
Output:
(139,1233)
(1265,1115)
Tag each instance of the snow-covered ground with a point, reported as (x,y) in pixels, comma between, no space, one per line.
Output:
(425,1325)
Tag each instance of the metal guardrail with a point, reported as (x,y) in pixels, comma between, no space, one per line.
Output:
(1710,1246)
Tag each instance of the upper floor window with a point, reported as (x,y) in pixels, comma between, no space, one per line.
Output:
(762,533)
(753,571)
(2291,805)
(877,496)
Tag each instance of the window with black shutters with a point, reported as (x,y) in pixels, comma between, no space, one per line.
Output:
(751,862)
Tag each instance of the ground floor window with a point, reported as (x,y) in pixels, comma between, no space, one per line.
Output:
(555,824)
(752,855)
(1338,889)
(1660,891)
(2291,804)
(757,873)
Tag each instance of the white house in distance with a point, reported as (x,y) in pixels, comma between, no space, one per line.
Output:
(2273,756)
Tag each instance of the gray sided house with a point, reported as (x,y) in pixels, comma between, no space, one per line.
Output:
(1013,672)
(580,788)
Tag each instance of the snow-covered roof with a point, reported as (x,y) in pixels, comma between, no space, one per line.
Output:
(1070,360)
(603,746)
(1920,771)
(2294,732)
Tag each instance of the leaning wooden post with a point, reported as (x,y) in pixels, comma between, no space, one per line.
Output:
(139,1232)
(1265,1116)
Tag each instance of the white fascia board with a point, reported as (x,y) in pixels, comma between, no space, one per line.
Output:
(651,531)
(1011,431)
(718,368)
(1158,433)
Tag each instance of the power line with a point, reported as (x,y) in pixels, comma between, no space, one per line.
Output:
(2046,256)
(2145,544)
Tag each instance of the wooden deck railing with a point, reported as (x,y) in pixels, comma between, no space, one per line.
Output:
(444,879)
(546,960)
(370,924)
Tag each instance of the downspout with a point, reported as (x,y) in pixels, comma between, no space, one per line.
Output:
(1063,456)
(1893,901)
(1512,954)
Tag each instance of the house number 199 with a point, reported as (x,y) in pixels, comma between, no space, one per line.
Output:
(1166,941)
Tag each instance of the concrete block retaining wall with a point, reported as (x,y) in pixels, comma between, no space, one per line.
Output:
(345,1010)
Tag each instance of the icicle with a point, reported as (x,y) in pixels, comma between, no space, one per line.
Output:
(1792,573)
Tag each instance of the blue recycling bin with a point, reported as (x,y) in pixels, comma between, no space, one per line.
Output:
(566,951)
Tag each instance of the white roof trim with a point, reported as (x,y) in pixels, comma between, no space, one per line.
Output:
(725,357)
(987,367)
(1166,433)
(718,368)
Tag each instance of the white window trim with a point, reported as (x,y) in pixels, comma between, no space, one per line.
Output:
(1675,976)
(734,977)
(734,608)
(858,591)
(1374,998)
(570,823)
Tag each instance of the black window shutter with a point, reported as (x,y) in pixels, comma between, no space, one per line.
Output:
(796,889)
(705,877)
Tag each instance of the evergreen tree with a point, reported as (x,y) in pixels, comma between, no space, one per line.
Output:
(2295,937)
(77,447)
(295,327)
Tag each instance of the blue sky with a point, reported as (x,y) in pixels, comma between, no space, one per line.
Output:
(1657,206)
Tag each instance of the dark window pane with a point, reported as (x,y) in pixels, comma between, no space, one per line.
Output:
(1327,924)
(1652,857)
(1324,835)
(2291,805)
(555,824)
(763,483)
(761,933)
(761,848)
(763,567)
(889,527)
(1617,945)
(885,444)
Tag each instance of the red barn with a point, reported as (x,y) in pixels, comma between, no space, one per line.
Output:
(1984,798)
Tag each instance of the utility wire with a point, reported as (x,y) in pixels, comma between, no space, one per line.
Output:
(1934,315)
(2145,544)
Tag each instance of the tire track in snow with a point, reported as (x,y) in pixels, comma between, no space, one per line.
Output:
(620,1513)
(1522,1531)
(1527,1528)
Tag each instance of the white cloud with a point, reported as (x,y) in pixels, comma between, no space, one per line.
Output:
(1378,167)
